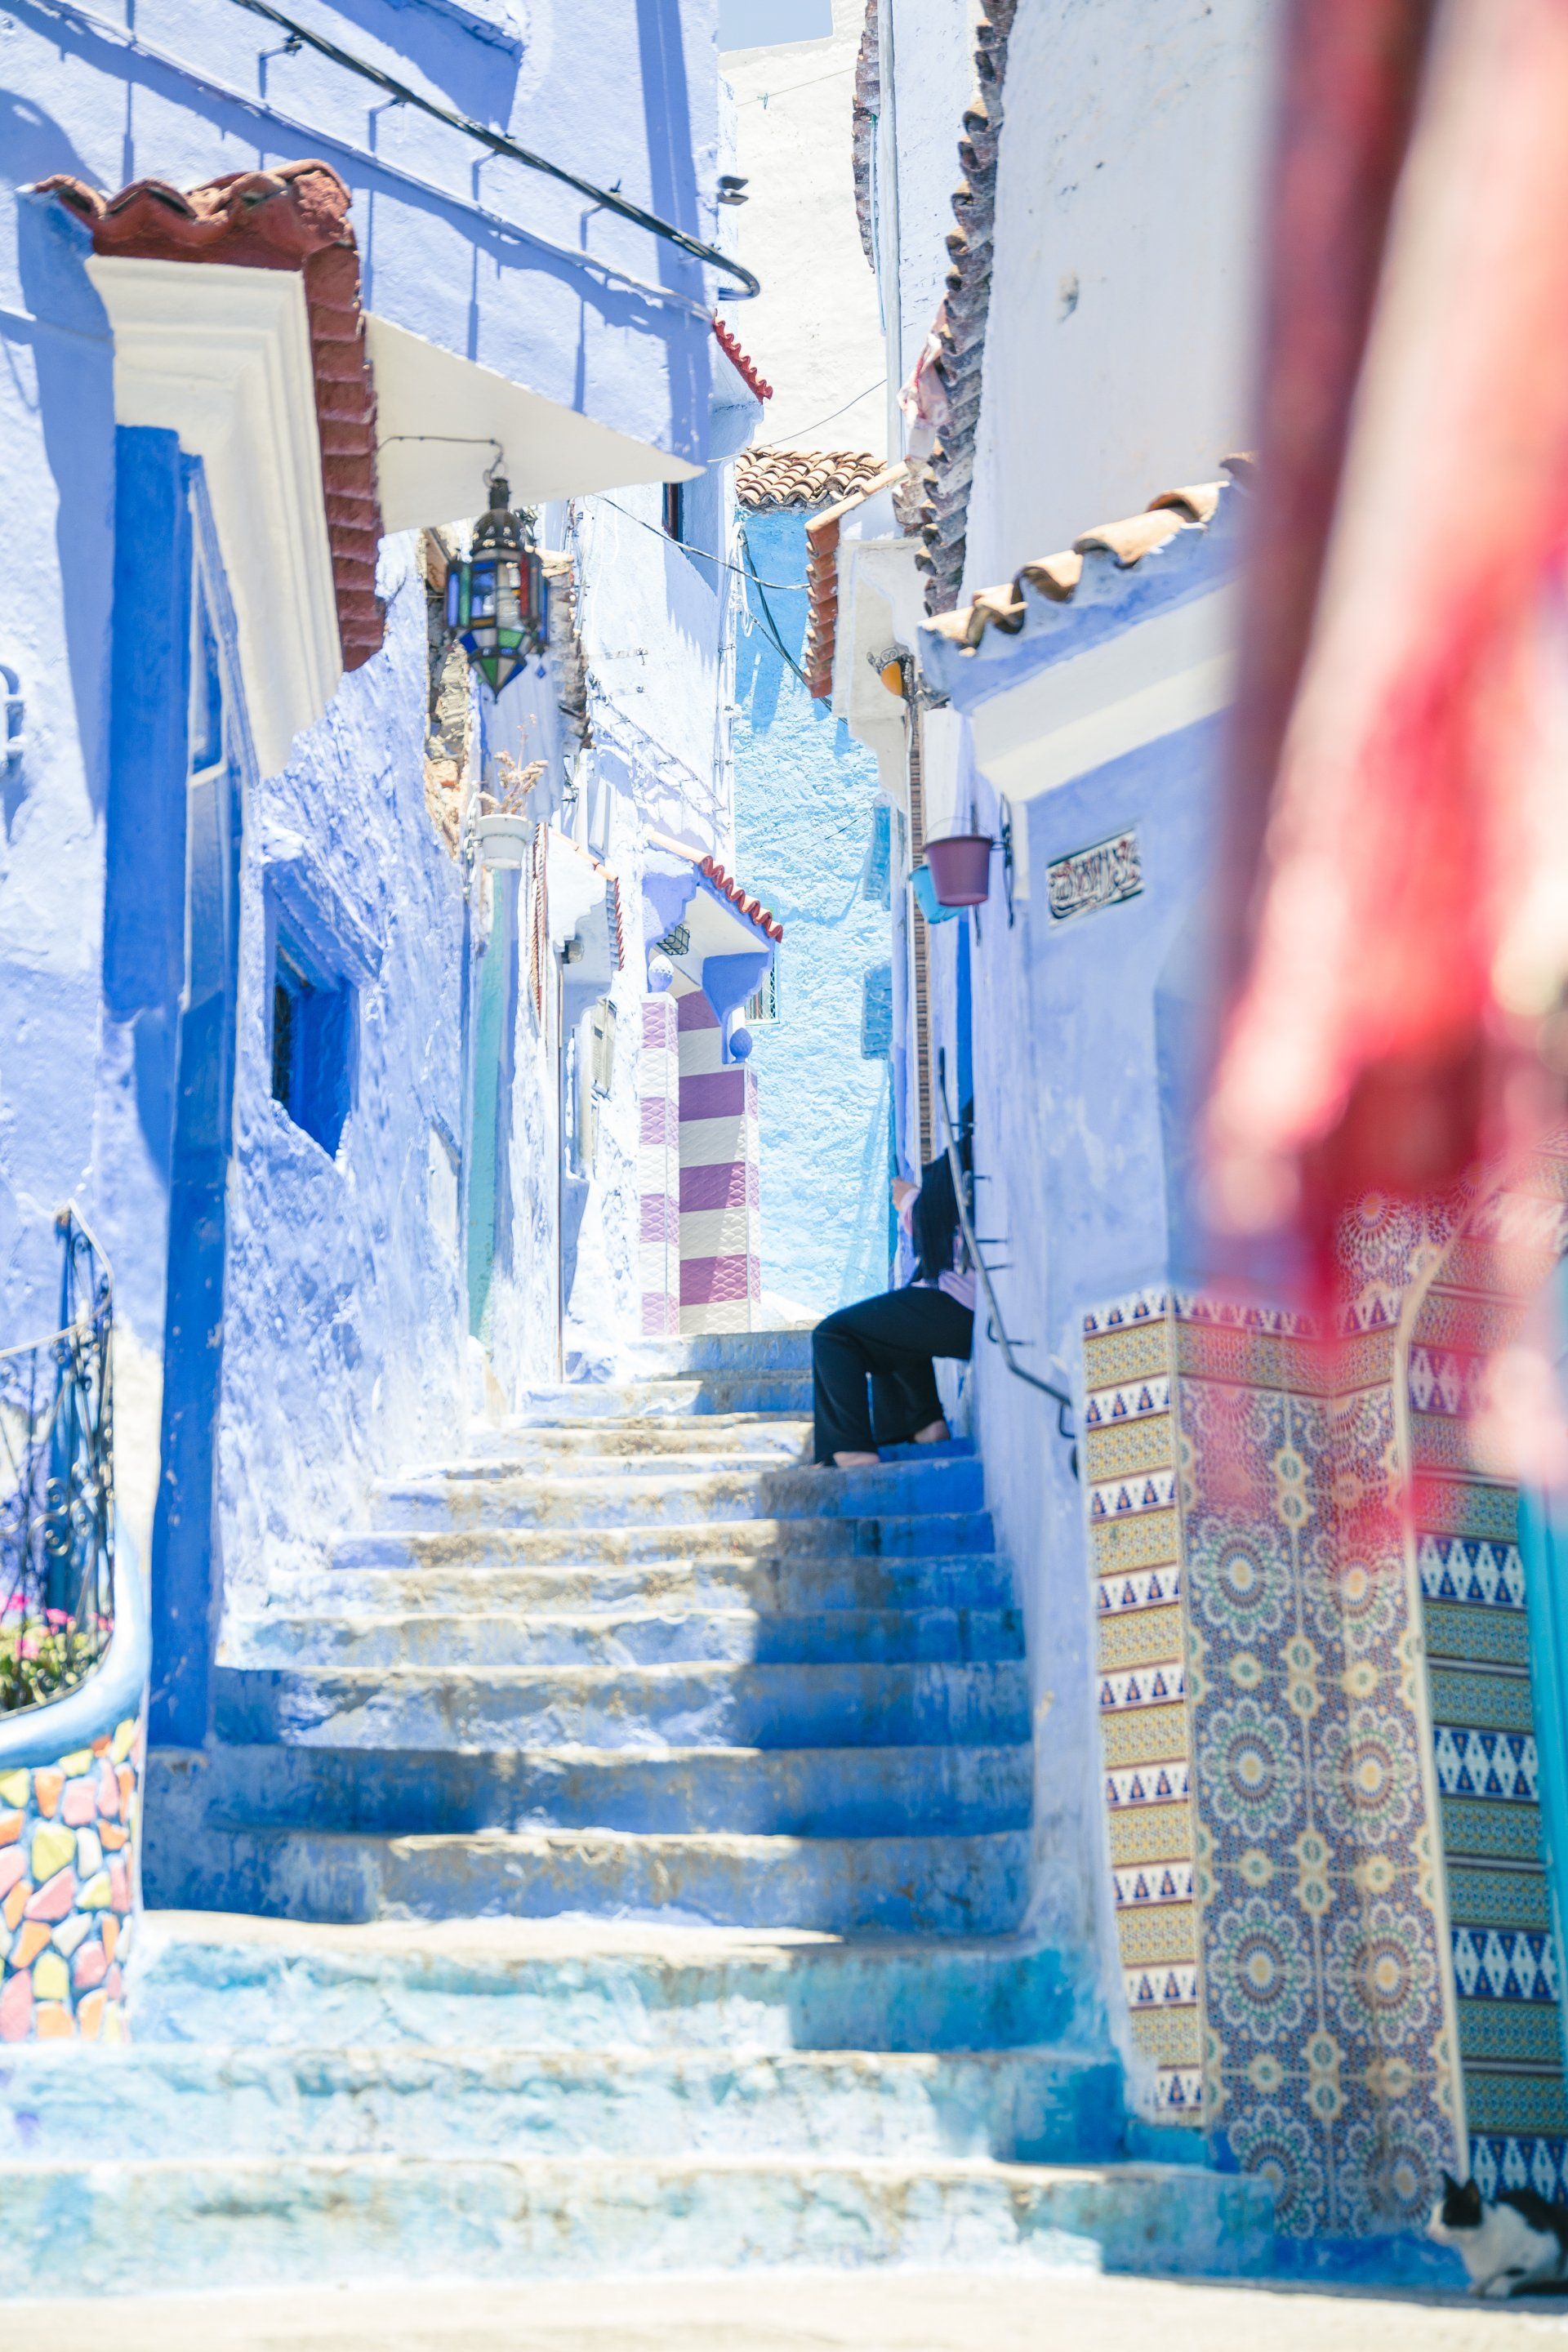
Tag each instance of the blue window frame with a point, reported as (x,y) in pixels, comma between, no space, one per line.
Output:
(312,1045)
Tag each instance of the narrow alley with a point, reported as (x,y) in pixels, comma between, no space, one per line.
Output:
(784,1175)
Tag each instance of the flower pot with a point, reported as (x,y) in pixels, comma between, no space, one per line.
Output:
(961,868)
(924,892)
(504,839)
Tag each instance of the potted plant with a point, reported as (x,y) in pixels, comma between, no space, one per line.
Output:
(959,867)
(502,829)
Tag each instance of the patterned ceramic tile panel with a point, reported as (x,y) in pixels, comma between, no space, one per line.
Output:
(68,1890)
(1503,1953)
(1328,2052)
(1130,1472)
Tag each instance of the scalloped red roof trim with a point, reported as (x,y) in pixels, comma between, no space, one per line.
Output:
(746,368)
(751,907)
(293,218)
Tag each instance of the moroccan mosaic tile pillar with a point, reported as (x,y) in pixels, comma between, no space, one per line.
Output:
(721,1220)
(1135,1549)
(1270,1787)
(1506,1966)
(68,1890)
(659,1168)
(1329,2058)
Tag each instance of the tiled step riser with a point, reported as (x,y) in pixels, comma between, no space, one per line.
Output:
(1015,2107)
(842,1636)
(465,1504)
(914,1537)
(687,1707)
(176,2226)
(785,1997)
(776,1588)
(821,1792)
(907,1887)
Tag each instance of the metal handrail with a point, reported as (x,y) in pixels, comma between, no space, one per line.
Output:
(997,1328)
(56,1509)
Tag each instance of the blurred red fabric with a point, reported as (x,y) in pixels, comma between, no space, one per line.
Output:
(1395,834)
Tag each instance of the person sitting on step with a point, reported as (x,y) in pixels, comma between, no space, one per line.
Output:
(892,1341)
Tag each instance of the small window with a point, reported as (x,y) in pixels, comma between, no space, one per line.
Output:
(312,1048)
(675,509)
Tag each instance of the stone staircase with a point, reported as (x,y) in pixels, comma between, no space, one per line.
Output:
(621,1854)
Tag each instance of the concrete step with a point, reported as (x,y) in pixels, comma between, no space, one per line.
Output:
(926,1535)
(459,1500)
(181,2223)
(942,1885)
(534,1445)
(1031,2107)
(669,1396)
(397,1577)
(398,1792)
(705,1706)
(581,1984)
(625,1637)
(787,1350)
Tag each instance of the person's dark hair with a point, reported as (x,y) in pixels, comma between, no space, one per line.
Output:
(933,1221)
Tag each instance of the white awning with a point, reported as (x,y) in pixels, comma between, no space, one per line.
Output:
(436,416)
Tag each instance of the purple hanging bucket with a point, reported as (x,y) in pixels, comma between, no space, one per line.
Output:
(961,868)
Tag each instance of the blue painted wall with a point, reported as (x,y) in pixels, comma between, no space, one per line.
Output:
(809,840)
(292,1320)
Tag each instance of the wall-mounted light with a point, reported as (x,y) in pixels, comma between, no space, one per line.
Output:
(733,188)
(496,596)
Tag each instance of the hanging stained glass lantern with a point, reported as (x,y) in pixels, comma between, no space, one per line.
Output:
(496,597)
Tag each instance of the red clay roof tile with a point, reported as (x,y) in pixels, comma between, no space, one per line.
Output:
(295,218)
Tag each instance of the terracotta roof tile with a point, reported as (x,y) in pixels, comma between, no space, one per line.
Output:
(941,516)
(1057,577)
(822,581)
(746,369)
(294,217)
(771,480)
(867,106)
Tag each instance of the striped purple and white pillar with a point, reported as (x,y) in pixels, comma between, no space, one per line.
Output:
(658,1169)
(720,1213)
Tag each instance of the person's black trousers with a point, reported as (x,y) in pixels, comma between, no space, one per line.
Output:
(889,1341)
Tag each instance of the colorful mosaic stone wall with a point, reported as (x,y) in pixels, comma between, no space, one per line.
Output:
(68,1890)
(1506,1966)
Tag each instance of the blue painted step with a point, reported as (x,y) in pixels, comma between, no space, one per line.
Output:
(186,2224)
(952,1884)
(645,1636)
(482,1495)
(449,1574)
(1017,2107)
(697,1705)
(794,1792)
(592,1982)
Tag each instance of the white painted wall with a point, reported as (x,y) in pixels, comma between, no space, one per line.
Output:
(1118,356)
(815,331)
(931,45)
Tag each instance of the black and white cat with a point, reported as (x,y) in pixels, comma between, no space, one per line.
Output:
(1515,2243)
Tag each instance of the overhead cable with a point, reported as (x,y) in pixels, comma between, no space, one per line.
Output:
(499,144)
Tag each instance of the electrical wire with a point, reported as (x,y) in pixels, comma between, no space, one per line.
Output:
(765,96)
(796,431)
(94,27)
(770,628)
(779,587)
(721,563)
(499,144)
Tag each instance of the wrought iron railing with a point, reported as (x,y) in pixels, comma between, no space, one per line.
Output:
(57,1498)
